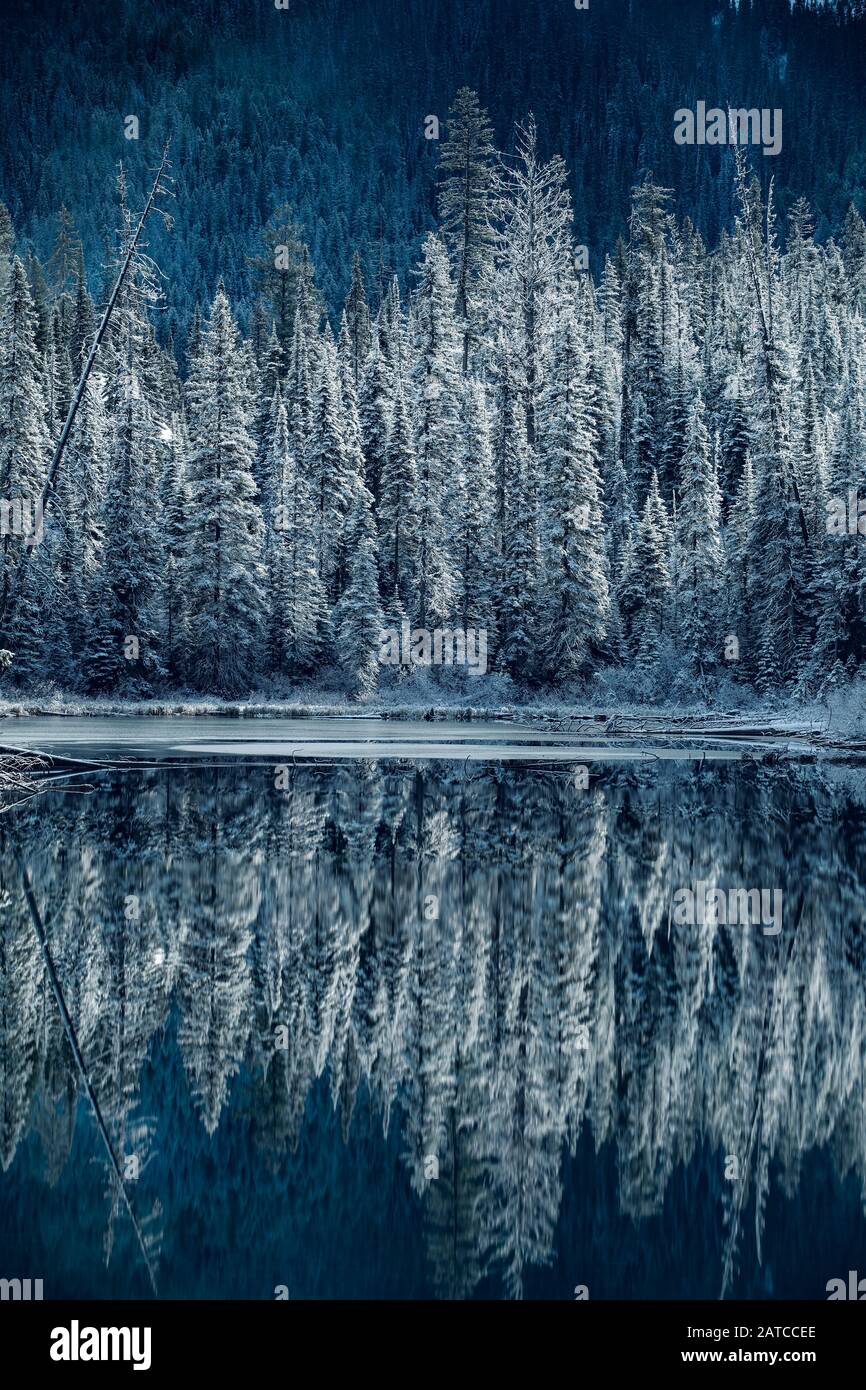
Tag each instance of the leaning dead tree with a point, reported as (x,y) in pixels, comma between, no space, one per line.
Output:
(7,607)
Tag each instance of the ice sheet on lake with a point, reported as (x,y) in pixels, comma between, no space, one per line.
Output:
(150,738)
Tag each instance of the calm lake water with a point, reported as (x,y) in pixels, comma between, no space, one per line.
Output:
(430,1029)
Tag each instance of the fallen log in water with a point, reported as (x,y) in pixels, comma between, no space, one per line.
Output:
(56,762)
(19,772)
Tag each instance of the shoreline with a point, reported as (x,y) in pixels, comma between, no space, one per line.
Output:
(770,734)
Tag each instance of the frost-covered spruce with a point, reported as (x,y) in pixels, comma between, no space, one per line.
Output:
(700,559)
(435,383)
(467,171)
(475,545)
(576,592)
(223,573)
(358,326)
(174,504)
(124,646)
(25,445)
(519,626)
(330,472)
(376,395)
(398,513)
(296,602)
(357,618)
(533,258)
(645,585)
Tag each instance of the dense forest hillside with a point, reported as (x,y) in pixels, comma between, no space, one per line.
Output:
(323,104)
(580,404)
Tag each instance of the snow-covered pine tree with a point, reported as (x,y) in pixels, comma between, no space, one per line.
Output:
(25,446)
(398,514)
(799,264)
(358,320)
(853,246)
(477,560)
(281,272)
(393,333)
(700,576)
(298,395)
(357,617)
(518,622)
(193,337)
(533,258)
(67,561)
(174,508)
(772,342)
(7,242)
(222,570)
(375,408)
(123,650)
(310,306)
(261,325)
(331,472)
(62,385)
(82,485)
(41,298)
(297,609)
(809,454)
(646,289)
(778,600)
(509,435)
(840,562)
(603,376)
(576,592)
(780,581)
(681,385)
(619,507)
(61,275)
(739,566)
(466,197)
(645,584)
(435,380)
(728,399)
(270,369)
(355,461)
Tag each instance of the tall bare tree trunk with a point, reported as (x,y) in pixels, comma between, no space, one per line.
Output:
(7,609)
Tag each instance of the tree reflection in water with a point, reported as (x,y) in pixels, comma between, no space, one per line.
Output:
(413,1029)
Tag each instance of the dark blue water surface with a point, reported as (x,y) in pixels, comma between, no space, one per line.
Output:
(413,1031)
